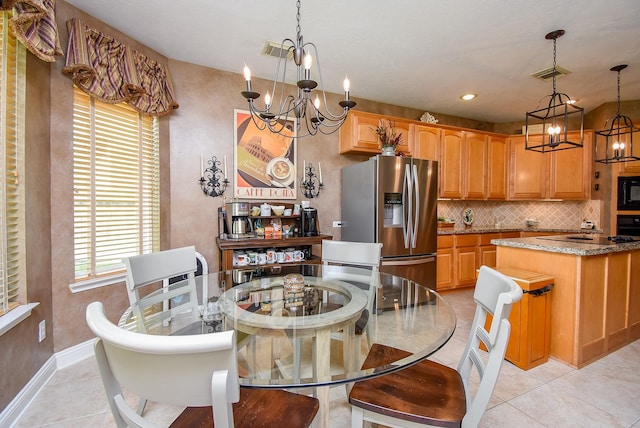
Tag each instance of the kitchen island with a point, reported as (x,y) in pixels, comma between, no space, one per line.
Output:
(595,304)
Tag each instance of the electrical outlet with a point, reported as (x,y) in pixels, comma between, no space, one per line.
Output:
(42,330)
(337,223)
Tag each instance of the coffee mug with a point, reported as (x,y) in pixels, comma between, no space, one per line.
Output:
(298,255)
(253,258)
(280,257)
(287,211)
(271,256)
(241,259)
(289,256)
(262,258)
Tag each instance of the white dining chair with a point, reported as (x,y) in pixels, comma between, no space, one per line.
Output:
(432,394)
(157,269)
(339,258)
(199,371)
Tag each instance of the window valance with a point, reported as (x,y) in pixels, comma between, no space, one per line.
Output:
(34,24)
(114,72)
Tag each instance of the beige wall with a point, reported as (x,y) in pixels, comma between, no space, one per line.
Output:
(202,124)
(22,355)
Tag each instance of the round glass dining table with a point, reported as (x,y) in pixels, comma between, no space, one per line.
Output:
(315,334)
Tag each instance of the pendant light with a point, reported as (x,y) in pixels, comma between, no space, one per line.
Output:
(312,114)
(615,141)
(553,121)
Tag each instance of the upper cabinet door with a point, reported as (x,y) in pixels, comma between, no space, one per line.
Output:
(451,162)
(475,161)
(570,175)
(425,141)
(358,134)
(498,163)
(528,171)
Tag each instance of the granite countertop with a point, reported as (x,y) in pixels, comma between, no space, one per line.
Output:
(461,230)
(574,248)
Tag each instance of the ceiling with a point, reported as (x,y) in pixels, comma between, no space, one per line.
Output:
(422,54)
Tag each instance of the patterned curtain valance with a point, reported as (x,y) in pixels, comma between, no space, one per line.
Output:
(34,24)
(113,72)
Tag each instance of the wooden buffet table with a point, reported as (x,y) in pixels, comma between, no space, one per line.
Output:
(595,305)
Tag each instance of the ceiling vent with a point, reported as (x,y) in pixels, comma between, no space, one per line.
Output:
(275,50)
(547,73)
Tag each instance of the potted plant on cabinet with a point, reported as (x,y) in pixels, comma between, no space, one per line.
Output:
(389,137)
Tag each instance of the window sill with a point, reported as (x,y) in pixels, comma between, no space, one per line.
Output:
(15,316)
(92,283)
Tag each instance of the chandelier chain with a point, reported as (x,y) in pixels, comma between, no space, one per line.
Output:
(618,92)
(554,65)
(298,29)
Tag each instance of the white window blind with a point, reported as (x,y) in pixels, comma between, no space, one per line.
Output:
(116,185)
(12,90)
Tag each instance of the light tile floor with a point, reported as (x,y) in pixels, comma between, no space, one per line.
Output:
(603,394)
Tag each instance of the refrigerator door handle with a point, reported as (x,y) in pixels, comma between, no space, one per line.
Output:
(416,193)
(406,200)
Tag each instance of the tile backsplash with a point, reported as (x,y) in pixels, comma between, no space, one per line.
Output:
(550,214)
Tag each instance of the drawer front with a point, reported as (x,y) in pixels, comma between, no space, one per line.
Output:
(485,238)
(445,241)
(466,240)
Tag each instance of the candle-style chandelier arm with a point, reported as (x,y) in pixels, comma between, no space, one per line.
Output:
(312,115)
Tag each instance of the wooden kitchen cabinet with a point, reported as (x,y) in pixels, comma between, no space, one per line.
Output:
(565,174)
(358,135)
(570,171)
(444,263)
(528,171)
(487,251)
(465,256)
(425,141)
(634,296)
(497,167)
(475,173)
(451,164)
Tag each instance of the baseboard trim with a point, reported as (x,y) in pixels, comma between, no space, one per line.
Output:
(60,360)
(74,354)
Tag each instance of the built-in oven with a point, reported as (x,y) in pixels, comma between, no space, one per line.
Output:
(628,193)
(628,225)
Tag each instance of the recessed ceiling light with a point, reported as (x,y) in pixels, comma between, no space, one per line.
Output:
(468,97)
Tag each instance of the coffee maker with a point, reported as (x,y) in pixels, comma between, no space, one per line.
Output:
(309,220)
(238,224)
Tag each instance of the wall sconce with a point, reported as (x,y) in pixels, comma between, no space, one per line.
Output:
(311,183)
(214,179)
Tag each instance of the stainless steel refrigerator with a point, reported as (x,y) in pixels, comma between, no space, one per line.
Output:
(393,200)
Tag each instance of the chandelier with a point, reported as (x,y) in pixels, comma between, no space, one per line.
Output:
(553,121)
(617,138)
(309,116)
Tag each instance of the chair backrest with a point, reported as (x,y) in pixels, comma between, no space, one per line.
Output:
(494,294)
(196,370)
(337,256)
(159,267)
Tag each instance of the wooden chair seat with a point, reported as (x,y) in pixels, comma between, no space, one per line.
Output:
(426,392)
(257,408)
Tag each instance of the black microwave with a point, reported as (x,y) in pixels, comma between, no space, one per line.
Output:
(628,193)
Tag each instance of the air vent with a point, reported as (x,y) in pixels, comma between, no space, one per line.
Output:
(547,73)
(274,49)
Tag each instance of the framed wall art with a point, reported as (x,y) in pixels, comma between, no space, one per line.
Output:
(264,162)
